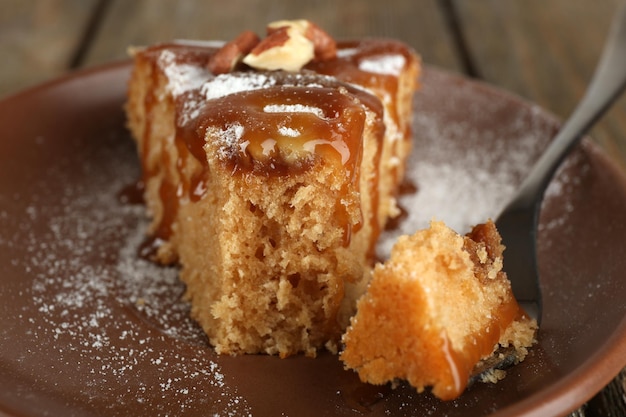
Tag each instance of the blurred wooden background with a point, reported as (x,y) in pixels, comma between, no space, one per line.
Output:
(544,51)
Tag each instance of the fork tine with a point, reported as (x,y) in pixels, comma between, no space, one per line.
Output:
(518,227)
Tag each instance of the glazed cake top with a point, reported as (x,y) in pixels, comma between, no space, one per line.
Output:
(365,64)
(276,123)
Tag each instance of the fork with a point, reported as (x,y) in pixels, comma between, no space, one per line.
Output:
(518,222)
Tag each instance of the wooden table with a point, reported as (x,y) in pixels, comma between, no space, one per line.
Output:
(544,51)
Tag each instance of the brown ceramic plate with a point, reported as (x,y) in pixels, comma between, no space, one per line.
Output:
(87,328)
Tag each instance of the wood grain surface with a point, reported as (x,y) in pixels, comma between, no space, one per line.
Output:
(38,39)
(543,51)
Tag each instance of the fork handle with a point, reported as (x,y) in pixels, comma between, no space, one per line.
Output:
(607,84)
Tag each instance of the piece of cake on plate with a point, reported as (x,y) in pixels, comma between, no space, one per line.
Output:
(437,307)
(270,167)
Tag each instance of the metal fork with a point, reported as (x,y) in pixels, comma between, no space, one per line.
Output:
(518,221)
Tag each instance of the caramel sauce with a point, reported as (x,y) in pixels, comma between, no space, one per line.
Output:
(461,364)
(195,53)
(262,132)
(481,344)
(280,131)
(362,397)
(149,101)
(149,248)
(132,194)
(348,67)
(270,143)
(168,193)
(375,225)
(150,169)
(284,141)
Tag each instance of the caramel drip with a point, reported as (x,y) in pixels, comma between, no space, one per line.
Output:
(347,67)
(261,131)
(482,344)
(149,101)
(273,143)
(375,225)
(189,145)
(170,204)
(183,54)
(152,168)
(461,363)
(132,193)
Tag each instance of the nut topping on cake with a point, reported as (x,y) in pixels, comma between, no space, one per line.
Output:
(290,45)
(225,60)
(324,45)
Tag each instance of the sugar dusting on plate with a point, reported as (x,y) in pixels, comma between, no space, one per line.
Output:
(464,173)
(105,318)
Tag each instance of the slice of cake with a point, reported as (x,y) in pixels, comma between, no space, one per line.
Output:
(270,183)
(438,306)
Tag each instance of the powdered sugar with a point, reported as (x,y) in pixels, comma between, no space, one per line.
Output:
(102,321)
(207,87)
(181,77)
(463,171)
(225,84)
(383,64)
(294,108)
(232,134)
(230,138)
(288,131)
